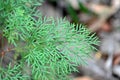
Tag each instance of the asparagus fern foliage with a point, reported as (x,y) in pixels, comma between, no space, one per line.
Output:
(51,46)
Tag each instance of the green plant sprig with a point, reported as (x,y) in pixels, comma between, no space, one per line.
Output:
(51,46)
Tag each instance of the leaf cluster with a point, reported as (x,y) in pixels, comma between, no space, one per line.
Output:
(50,47)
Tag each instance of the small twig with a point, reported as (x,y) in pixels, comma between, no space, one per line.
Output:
(104,12)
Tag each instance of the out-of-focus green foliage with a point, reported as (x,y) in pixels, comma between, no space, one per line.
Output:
(83,8)
(72,13)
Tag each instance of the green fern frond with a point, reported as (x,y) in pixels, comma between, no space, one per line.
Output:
(12,73)
(52,48)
